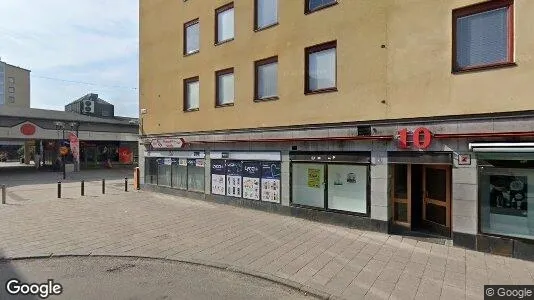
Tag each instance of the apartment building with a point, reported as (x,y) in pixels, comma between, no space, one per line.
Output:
(14,86)
(410,117)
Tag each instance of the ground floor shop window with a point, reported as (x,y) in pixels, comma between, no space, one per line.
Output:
(177,173)
(342,187)
(254,180)
(506,194)
(347,188)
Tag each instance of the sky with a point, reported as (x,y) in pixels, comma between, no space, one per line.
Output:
(91,42)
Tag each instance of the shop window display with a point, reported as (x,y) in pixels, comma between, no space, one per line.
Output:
(506,199)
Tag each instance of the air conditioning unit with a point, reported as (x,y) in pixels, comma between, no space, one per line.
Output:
(88,106)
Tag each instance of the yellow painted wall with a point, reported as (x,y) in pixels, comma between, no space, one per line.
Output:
(21,85)
(413,73)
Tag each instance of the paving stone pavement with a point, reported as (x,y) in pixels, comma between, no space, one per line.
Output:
(343,262)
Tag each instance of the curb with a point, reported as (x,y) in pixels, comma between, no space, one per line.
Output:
(218,265)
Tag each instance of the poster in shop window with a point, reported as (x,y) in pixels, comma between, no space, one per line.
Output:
(218,177)
(251,180)
(314,178)
(270,181)
(233,178)
(508,195)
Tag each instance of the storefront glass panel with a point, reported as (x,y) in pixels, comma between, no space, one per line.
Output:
(308,184)
(506,193)
(165,172)
(347,188)
(179,173)
(195,175)
(151,171)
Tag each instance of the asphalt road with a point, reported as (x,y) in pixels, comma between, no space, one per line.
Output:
(135,278)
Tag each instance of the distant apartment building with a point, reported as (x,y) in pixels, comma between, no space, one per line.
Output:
(411,117)
(14,86)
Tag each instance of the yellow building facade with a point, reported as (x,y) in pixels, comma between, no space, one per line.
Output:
(395,115)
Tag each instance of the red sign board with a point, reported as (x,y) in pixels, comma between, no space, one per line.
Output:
(28,129)
(421,138)
(167,143)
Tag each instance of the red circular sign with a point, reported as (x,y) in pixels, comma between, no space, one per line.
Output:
(27,129)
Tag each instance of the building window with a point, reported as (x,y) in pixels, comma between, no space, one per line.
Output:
(191,94)
(313,5)
(506,199)
(191,37)
(224,90)
(266,79)
(266,13)
(321,68)
(11,90)
(11,79)
(483,35)
(11,99)
(224,23)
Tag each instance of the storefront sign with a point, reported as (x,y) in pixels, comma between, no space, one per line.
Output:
(251,180)
(28,129)
(464,159)
(270,181)
(182,162)
(421,138)
(167,143)
(356,157)
(168,161)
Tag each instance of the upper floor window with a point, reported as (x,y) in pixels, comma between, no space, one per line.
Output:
(483,35)
(266,13)
(266,79)
(191,94)
(11,90)
(224,23)
(321,69)
(191,37)
(11,79)
(313,5)
(224,87)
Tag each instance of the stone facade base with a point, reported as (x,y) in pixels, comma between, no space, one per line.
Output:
(516,248)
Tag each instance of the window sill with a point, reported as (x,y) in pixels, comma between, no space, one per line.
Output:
(191,53)
(266,99)
(308,11)
(258,29)
(191,110)
(223,42)
(321,91)
(484,68)
(224,105)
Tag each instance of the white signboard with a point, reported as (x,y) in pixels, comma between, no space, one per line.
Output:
(167,143)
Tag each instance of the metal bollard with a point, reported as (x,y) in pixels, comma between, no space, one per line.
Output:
(103,186)
(59,189)
(3,194)
(83,188)
(125,184)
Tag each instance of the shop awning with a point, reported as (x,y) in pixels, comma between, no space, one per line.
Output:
(502,147)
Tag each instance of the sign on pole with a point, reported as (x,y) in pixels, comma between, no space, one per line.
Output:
(75,148)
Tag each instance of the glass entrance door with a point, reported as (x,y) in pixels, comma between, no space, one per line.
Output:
(401,194)
(437,198)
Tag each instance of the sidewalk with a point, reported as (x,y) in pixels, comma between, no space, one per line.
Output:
(341,262)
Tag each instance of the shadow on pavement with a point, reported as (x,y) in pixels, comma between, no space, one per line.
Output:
(8,272)
(20,176)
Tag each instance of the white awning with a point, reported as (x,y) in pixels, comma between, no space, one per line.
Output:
(501,147)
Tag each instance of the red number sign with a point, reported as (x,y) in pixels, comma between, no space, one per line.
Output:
(421,138)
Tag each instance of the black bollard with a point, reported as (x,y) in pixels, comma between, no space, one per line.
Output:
(125,184)
(103,186)
(59,189)
(4,194)
(83,188)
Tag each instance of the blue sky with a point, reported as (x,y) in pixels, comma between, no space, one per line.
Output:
(90,41)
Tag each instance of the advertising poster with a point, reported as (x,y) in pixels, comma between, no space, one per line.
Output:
(182,162)
(125,155)
(233,178)
(314,178)
(270,181)
(218,177)
(508,195)
(251,180)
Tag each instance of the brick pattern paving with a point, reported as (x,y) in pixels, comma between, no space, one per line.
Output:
(344,262)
